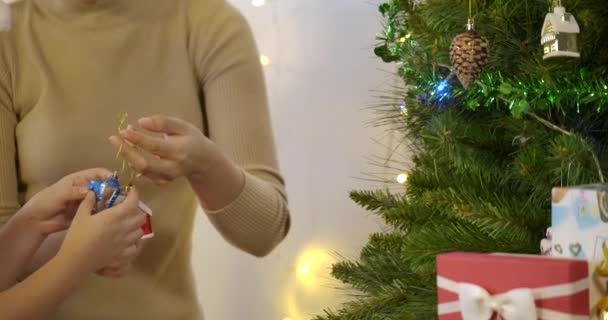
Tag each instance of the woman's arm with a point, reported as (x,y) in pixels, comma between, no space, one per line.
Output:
(236,105)
(9,199)
(235,172)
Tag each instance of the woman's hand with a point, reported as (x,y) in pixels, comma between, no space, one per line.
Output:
(52,209)
(181,150)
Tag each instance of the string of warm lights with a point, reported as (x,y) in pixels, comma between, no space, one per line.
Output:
(264,60)
(402,178)
(313,264)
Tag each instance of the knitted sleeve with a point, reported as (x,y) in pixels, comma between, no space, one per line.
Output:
(9,201)
(236,107)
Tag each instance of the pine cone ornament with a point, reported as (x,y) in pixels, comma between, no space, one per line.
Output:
(469,54)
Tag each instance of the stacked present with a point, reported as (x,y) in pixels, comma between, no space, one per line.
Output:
(568,283)
(579,221)
(516,287)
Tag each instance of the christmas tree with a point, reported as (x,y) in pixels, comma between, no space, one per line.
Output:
(486,157)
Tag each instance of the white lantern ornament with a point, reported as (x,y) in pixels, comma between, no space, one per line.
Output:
(560,33)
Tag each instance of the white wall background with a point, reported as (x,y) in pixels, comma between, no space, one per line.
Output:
(320,79)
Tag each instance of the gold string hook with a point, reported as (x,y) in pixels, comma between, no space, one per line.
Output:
(121,119)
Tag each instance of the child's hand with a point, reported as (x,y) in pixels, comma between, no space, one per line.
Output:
(95,240)
(51,210)
(122,264)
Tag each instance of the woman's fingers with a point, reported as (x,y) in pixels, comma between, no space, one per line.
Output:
(165,124)
(153,168)
(155,145)
(135,158)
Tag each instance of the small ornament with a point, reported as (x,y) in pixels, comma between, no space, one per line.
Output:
(469,54)
(559,34)
(106,192)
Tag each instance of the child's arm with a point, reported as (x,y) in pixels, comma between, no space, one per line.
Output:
(38,295)
(18,243)
(91,242)
(47,250)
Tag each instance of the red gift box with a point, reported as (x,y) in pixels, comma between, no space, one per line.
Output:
(474,286)
(147,227)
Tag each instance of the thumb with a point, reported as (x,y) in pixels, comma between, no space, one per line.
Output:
(86,206)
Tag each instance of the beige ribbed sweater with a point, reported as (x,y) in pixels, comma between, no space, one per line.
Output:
(68,68)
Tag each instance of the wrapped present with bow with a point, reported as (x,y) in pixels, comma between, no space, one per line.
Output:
(475,286)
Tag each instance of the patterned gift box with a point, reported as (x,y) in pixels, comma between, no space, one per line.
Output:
(579,221)
(473,286)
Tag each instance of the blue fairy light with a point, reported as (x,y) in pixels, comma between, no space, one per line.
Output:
(402,105)
(440,88)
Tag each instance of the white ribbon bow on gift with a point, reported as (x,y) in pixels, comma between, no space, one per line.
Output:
(477,304)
